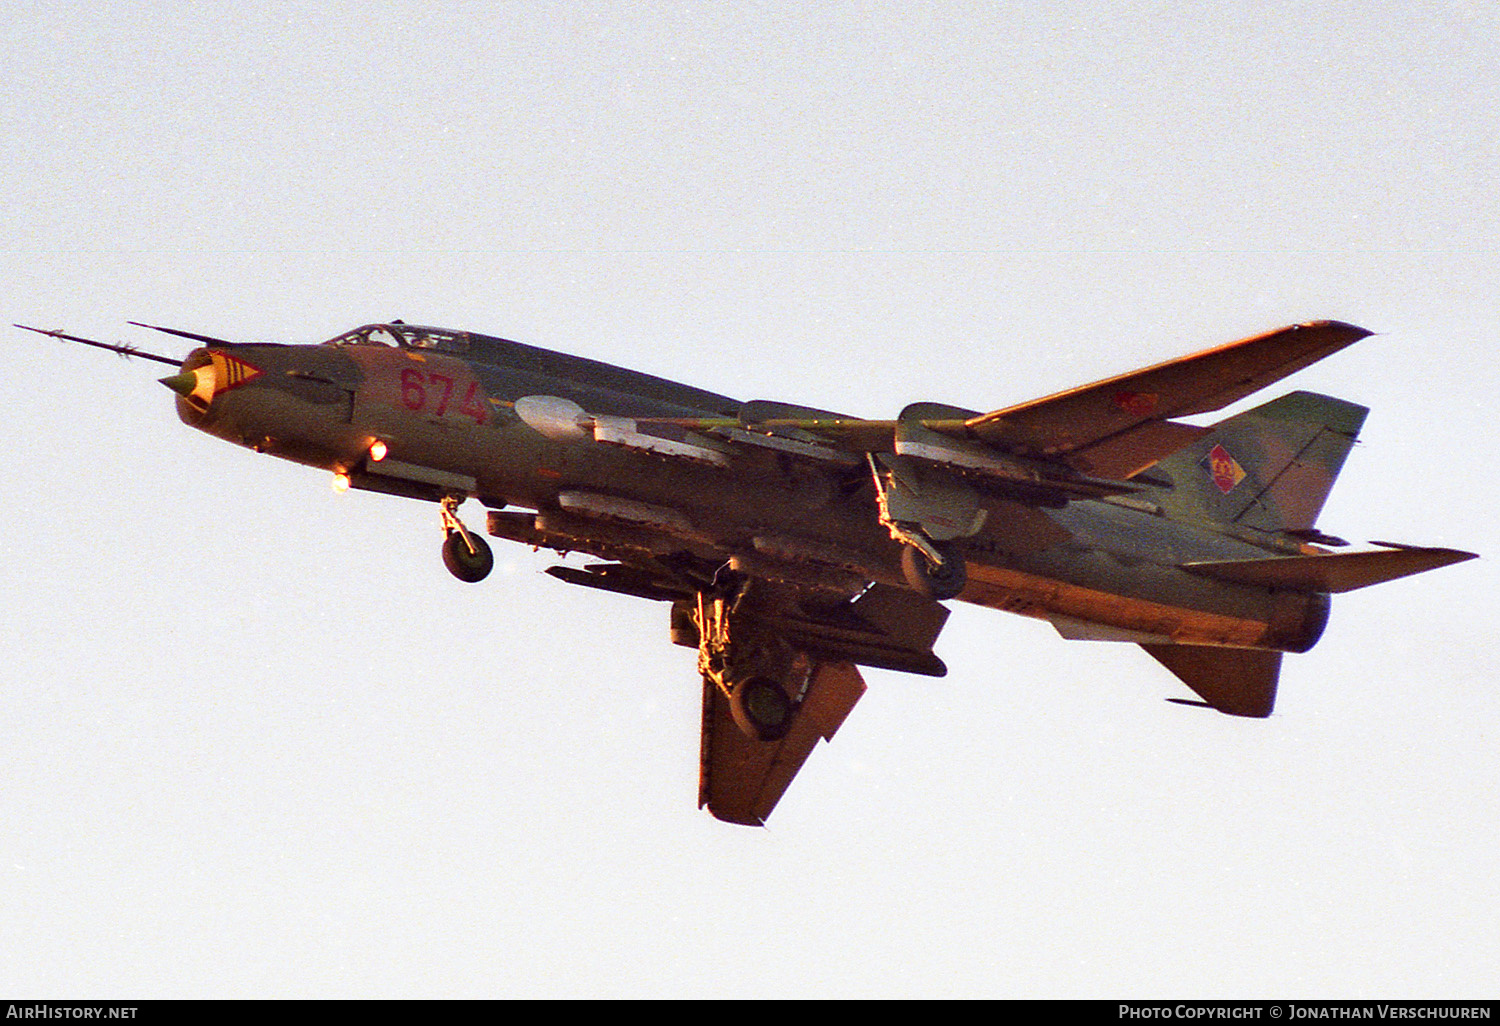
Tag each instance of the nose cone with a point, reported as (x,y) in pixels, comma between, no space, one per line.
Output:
(183,384)
(197,383)
(208,373)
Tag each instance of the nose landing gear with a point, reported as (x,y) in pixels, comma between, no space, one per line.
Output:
(467,556)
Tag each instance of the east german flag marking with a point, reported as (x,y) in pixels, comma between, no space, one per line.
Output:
(1223,468)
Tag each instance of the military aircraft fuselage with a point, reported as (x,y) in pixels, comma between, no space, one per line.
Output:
(516,426)
(794,544)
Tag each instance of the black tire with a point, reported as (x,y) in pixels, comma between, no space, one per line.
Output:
(470,567)
(761,709)
(944,581)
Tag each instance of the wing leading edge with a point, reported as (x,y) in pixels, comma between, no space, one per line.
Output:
(1125,418)
(1112,429)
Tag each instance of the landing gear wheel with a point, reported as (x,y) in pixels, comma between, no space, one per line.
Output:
(761,709)
(943,581)
(465,565)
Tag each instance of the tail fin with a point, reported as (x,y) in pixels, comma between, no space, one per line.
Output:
(1270,468)
(1237,681)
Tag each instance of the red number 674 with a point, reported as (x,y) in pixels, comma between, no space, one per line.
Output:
(417,389)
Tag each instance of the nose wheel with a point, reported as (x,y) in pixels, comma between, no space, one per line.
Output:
(466,555)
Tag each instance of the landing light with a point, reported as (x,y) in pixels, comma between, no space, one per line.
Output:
(341,483)
(378,450)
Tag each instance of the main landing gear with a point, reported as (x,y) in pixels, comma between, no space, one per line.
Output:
(927,517)
(760,675)
(933,568)
(466,555)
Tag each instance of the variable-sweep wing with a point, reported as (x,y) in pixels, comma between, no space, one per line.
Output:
(1066,445)
(1119,426)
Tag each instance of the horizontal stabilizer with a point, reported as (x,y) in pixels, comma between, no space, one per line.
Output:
(1334,572)
(1237,681)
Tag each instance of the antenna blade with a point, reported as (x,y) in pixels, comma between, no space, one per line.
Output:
(185,334)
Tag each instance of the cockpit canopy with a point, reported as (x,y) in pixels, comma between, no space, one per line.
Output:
(569,371)
(405,336)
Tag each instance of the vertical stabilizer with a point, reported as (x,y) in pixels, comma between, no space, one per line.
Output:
(1270,468)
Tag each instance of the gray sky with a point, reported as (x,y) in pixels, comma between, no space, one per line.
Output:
(255,741)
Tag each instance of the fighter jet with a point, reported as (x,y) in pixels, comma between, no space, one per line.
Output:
(791,545)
